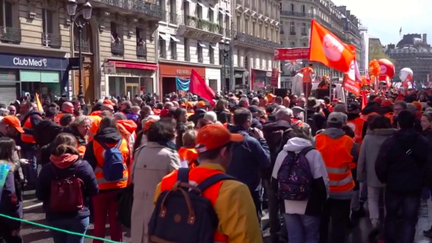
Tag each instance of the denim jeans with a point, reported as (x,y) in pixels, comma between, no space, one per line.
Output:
(374,194)
(30,170)
(78,225)
(338,211)
(302,228)
(410,205)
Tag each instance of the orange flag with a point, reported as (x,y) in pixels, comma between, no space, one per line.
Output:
(39,103)
(326,48)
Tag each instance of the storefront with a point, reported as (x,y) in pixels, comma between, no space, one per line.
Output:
(131,78)
(213,78)
(169,72)
(21,74)
(260,79)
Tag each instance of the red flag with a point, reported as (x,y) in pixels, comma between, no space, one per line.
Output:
(326,48)
(199,87)
(364,99)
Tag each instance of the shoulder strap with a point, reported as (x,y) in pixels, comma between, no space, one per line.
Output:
(306,150)
(213,180)
(119,144)
(183,175)
(102,144)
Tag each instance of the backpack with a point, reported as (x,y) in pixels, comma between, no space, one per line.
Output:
(182,214)
(66,193)
(113,167)
(294,176)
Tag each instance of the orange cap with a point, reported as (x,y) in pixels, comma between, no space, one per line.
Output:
(214,136)
(148,124)
(13,121)
(108,102)
(386,103)
(418,105)
(201,104)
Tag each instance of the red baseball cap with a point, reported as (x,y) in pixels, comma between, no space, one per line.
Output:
(214,136)
(13,121)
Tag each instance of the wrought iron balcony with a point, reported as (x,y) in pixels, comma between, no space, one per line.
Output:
(85,45)
(296,14)
(10,35)
(117,49)
(137,6)
(304,33)
(256,41)
(51,40)
(201,24)
(141,51)
(292,33)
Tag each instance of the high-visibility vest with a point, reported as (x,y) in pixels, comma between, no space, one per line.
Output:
(336,154)
(95,113)
(357,126)
(99,152)
(188,155)
(95,122)
(389,115)
(28,138)
(198,175)
(58,117)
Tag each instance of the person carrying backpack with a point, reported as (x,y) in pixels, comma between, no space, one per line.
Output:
(66,185)
(109,156)
(300,178)
(204,205)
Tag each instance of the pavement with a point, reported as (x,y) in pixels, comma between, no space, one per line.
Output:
(33,212)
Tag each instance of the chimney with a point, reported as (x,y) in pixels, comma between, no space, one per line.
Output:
(424,38)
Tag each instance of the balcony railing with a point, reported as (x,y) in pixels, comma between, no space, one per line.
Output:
(117,49)
(292,33)
(141,51)
(201,24)
(137,6)
(256,41)
(10,35)
(51,40)
(296,14)
(85,45)
(304,33)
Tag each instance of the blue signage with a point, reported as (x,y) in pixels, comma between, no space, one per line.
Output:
(32,62)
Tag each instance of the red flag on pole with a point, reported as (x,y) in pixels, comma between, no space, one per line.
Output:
(199,87)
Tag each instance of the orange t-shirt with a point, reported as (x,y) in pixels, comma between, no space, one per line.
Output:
(307,74)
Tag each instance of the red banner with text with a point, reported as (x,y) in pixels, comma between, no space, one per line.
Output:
(274,77)
(283,54)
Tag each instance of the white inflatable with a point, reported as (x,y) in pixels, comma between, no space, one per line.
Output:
(297,84)
(406,74)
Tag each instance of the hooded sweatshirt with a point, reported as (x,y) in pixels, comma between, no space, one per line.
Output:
(319,191)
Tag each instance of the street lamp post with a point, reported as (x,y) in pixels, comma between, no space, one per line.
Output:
(225,49)
(80,23)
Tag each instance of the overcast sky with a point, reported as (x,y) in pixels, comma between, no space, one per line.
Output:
(384,18)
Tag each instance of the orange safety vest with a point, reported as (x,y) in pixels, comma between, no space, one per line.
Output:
(188,155)
(99,152)
(357,126)
(81,149)
(198,175)
(389,115)
(58,117)
(336,154)
(95,113)
(28,138)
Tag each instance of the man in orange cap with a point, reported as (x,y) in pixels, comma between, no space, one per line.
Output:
(231,199)
(10,126)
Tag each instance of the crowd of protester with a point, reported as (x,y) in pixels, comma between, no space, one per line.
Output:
(348,159)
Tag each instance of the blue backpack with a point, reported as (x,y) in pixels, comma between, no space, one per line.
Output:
(113,167)
(295,177)
(182,214)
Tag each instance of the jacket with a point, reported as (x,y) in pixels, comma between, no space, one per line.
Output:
(358,125)
(402,161)
(45,132)
(151,164)
(249,159)
(81,141)
(235,209)
(11,198)
(369,150)
(313,205)
(83,171)
(111,138)
(332,142)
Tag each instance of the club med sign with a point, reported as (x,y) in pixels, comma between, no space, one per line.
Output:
(30,62)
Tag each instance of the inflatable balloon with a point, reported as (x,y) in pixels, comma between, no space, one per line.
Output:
(406,74)
(387,69)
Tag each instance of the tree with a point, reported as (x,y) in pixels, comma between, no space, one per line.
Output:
(376,51)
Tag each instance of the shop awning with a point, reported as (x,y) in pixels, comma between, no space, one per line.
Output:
(175,39)
(135,65)
(203,45)
(164,36)
(200,4)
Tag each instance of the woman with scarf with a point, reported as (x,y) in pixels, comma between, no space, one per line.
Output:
(105,203)
(65,163)
(151,163)
(79,128)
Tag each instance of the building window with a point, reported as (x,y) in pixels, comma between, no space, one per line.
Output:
(172,6)
(227,23)
(47,21)
(254,29)
(162,47)
(199,11)
(141,45)
(173,48)
(246,25)
(238,23)
(292,7)
(260,33)
(305,44)
(211,54)
(200,47)
(187,49)
(6,14)
(292,28)
(211,15)
(117,47)
(292,44)
(303,9)
(185,8)
(304,29)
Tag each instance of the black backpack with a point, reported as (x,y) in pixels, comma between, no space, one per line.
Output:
(182,214)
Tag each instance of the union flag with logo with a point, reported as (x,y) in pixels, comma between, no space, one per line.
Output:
(327,49)
(352,78)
